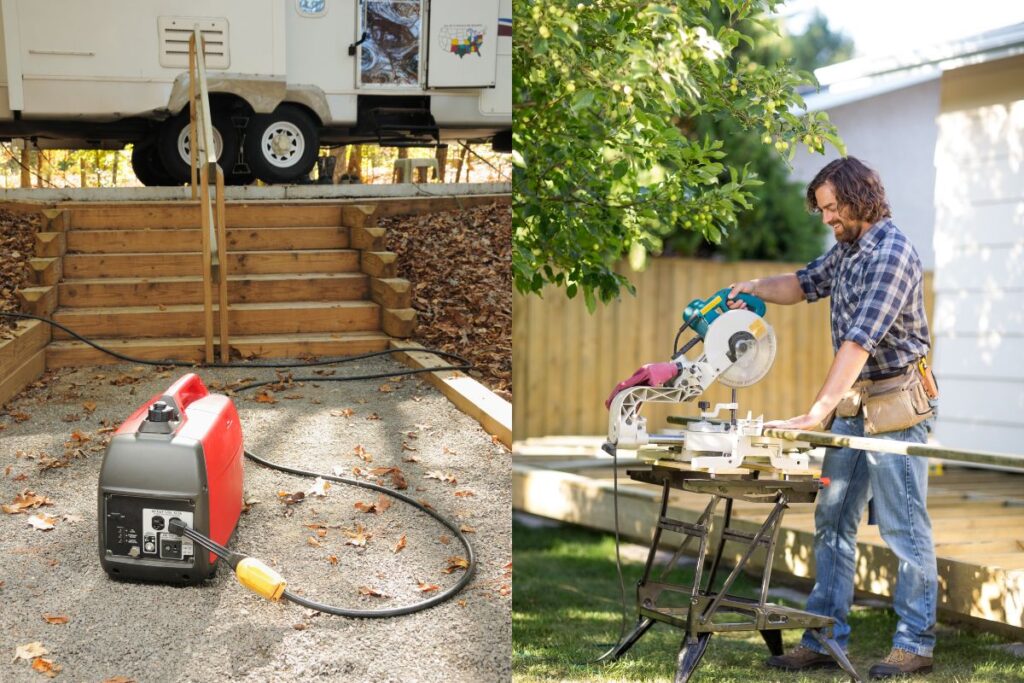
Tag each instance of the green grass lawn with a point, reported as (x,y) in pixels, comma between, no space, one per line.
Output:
(566,612)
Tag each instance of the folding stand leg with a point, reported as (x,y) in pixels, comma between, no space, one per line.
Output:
(689,655)
(837,653)
(773,639)
(642,626)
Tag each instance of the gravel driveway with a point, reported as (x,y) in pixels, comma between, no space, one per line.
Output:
(52,444)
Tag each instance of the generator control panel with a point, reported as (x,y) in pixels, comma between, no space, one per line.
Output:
(137,527)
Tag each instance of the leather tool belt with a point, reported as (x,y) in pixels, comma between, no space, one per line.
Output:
(894,403)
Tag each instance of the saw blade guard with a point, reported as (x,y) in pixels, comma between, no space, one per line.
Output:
(743,343)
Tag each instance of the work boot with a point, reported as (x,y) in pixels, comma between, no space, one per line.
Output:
(900,663)
(801,658)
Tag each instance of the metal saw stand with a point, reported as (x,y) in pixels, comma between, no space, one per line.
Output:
(697,617)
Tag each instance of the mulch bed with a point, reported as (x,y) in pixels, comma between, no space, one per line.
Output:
(460,266)
(17,240)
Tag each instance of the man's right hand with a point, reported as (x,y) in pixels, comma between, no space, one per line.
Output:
(739,288)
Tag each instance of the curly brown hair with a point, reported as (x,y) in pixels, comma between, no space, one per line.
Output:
(857,187)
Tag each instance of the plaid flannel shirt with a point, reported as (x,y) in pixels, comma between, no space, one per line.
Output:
(877,290)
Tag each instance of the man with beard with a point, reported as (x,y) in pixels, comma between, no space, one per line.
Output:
(879,332)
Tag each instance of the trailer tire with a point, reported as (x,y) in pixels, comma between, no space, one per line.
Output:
(174,144)
(147,165)
(283,146)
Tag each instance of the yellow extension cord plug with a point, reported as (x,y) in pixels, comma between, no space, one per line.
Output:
(260,579)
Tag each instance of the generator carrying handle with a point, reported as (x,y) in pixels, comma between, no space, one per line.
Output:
(185,391)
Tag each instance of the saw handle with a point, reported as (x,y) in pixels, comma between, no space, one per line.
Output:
(755,304)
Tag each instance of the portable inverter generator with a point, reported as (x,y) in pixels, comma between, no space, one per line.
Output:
(178,457)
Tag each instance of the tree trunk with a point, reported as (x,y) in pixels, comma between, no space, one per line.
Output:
(117,157)
(442,162)
(83,171)
(462,164)
(26,160)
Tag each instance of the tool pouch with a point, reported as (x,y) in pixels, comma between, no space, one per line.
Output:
(896,403)
(850,404)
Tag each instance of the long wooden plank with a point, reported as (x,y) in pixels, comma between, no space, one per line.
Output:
(492,412)
(256,288)
(966,588)
(74,353)
(248,262)
(238,239)
(248,319)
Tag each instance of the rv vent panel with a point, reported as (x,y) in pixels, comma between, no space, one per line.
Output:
(174,35)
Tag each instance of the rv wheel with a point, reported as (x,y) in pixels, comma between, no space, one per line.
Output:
(175,145)
(147,165)
(283,146)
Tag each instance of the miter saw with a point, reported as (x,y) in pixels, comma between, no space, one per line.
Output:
(738,351)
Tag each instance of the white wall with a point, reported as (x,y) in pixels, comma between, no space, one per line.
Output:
(895,134)
(979,277)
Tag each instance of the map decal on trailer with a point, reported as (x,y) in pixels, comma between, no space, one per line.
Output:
(463,39)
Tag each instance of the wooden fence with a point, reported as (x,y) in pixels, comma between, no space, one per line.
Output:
(566,361)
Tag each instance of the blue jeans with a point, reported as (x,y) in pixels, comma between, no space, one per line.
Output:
(899,486)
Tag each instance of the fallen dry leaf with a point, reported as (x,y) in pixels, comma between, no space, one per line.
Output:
(119,679)
(89,405)
(20,416)
(344,412)
(445,539)
(441,476)
(427,587)
(464,494)
(320,487)
(265,396)
(357,536)
(333,559)
(372,592)
(313,542)
(361,453)
(26,500)
(291,498)
(42,522)
(46,667)
(410,458)
(373,416)
(397,477)
(56,619)
(79,437)
(407,447)
(299,626)
(505,589)
(400,545)
(454,563)
(29,651)
(466,529)
(385,388)
(382,503)
(461,603)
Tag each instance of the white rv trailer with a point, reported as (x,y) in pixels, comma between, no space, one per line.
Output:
(285,76)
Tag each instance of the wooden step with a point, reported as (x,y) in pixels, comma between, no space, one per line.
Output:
(185,214)
(61,354)
(245,319)
(188,289)
(238,239)
(190,263)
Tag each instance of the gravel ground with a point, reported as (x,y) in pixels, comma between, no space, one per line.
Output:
(220,631)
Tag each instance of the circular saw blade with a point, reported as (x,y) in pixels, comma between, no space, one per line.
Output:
(756,354)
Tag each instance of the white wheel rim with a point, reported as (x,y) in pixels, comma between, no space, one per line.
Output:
(282,144)
(185,146)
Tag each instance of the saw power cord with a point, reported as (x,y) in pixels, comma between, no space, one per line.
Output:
(253,573)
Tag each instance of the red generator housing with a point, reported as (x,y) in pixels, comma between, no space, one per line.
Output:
(179,455)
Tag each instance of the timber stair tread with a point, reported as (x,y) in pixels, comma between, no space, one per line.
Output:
(136,240)
(67,353)
(147,264)
(91,292)
(161,320)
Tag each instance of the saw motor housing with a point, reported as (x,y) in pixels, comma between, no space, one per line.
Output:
(738,351)
(179,455)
